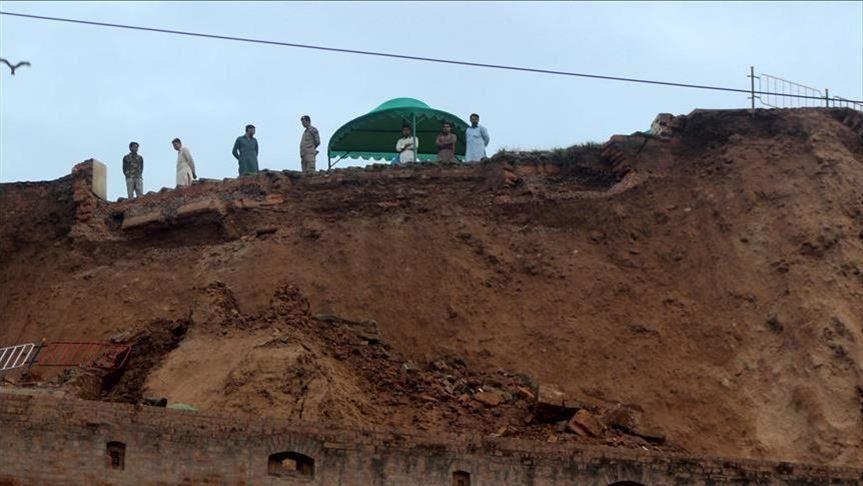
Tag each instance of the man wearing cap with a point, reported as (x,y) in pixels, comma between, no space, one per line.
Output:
(246,151)
(133,169)
(309,144)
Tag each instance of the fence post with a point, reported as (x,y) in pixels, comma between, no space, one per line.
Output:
(37,353)
(827,97)
(752,85)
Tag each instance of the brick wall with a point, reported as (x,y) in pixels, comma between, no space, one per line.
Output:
(76,205)
(32,213)
(47,440)
(88,193)
(46,211)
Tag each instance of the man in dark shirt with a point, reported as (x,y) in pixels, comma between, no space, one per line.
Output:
(246,151)
(446,141)
(133,169)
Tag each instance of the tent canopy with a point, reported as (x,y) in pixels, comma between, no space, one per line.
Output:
(374,135)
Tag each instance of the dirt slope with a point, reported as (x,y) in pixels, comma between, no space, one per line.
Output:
(717,287)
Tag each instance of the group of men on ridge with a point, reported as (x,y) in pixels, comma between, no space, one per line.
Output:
(245,150)
(476,140)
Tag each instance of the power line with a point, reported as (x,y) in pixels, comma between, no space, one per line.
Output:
(404,56)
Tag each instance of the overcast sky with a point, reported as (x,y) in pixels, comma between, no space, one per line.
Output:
(92,90)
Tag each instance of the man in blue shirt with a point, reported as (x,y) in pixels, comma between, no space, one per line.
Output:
(477,140)
(246,151)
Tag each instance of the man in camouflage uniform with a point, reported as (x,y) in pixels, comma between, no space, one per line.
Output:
(309,144)
(133,169)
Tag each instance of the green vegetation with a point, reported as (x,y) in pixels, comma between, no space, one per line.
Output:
(558,155)
(575,152)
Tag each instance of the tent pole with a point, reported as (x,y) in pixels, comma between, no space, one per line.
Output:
(338,159)
(414,131)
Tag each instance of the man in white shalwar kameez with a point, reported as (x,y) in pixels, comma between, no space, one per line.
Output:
(476,137)
(407,145)
(185,164)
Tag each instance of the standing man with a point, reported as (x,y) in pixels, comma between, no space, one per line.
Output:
(309,145)
(185,164)
(246,151)
(446,144)
(133,169)
(477,140)
(407,145)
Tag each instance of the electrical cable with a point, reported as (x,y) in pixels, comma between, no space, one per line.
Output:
(412,58)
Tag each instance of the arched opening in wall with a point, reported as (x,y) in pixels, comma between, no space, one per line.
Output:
(460,478)
(626,483)
(116,455)
(290,464)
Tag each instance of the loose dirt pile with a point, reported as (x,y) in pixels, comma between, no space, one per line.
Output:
(284,362)
(710,286)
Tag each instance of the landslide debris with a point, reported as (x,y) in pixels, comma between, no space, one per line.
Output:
(285,362)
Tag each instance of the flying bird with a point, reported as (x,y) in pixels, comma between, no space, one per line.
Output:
(13,68)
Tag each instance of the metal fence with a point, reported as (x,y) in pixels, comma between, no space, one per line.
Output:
(12,357)
(106,356)
(775,92)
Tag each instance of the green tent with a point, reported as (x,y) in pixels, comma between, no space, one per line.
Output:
(374,135)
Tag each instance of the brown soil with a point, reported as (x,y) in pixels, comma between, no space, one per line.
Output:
(715,291)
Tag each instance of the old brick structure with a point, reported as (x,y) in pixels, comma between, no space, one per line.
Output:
(55,441)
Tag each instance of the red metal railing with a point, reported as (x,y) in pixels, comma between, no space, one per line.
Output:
(106,356)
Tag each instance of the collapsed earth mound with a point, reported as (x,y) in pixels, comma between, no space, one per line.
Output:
(285,362)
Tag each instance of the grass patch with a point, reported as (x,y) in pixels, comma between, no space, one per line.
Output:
(575,153)
(559,155)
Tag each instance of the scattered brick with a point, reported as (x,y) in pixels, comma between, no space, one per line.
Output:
(585,424)
(146,219)
(203,206)
(551,404)
(488,398)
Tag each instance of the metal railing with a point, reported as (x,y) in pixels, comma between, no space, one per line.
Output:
(840,102)
(12,357)
(106,356)
(775,92)
(91,354)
